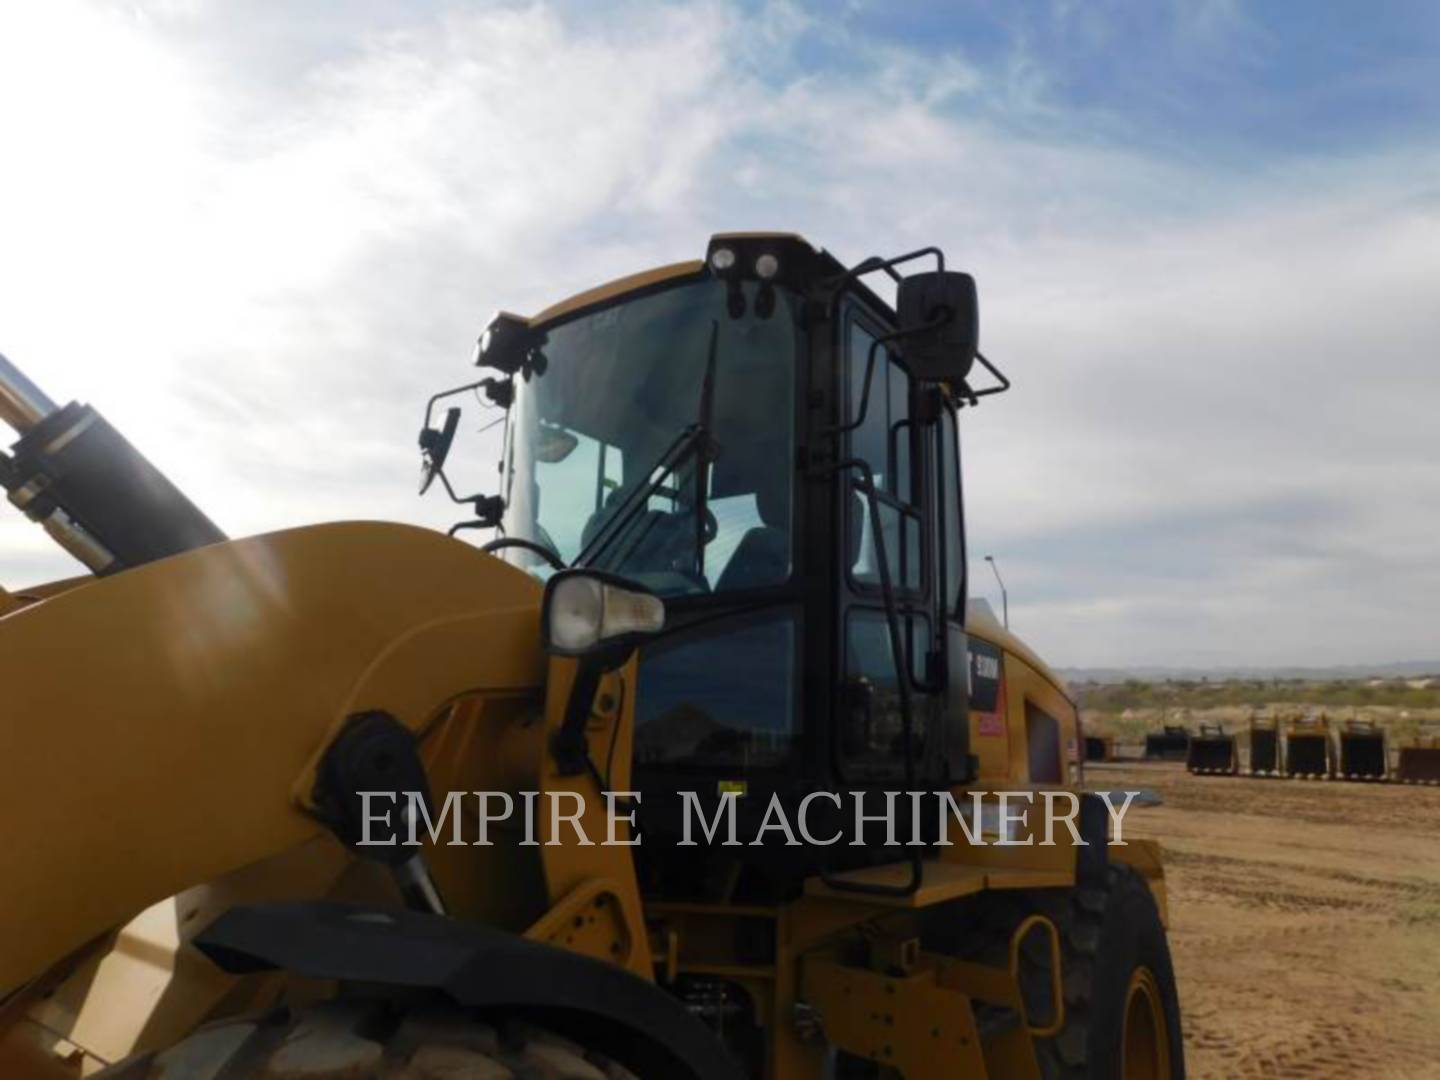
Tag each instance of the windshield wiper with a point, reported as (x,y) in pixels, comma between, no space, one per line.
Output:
(708,451)
(678,450)
(694,437)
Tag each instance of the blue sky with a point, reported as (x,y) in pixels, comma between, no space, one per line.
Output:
(1206,234)
(1225,79)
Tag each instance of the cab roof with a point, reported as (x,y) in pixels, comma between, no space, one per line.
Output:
(610,290)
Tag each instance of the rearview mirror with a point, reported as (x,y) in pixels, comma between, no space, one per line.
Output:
(554,444)
(435,448)
(939,323)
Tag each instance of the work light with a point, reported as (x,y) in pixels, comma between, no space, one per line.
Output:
(585,611)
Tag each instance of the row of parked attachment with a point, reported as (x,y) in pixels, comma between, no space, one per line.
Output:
(1308,748)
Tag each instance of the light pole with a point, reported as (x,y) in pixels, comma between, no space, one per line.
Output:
(1004,596)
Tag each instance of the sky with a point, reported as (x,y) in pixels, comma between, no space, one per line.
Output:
(1207,237)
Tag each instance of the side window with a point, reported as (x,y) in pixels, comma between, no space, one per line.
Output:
(883,441)
(1042,737)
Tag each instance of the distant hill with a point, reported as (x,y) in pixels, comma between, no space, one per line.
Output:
(1401,670)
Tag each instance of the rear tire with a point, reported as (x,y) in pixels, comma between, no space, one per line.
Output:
(1122,1013)
(371,1040)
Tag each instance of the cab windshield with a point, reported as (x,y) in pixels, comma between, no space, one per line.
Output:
(657,439)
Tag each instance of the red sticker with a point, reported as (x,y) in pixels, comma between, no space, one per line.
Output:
(990,724)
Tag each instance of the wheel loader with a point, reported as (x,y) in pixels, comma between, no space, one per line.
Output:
(724,591)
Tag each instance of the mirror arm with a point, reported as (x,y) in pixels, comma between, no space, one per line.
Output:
(430,405)
(488,509)
(445,483)
(875,262)
(972,397)
(500,391)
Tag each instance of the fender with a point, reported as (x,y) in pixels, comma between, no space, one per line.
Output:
(477,966)
(158,727)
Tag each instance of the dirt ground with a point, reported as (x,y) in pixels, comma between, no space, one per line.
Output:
(1304,921)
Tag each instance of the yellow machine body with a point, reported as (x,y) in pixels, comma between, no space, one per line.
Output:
(162,729)
(170,751)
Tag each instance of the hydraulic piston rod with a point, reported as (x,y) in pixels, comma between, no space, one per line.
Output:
(22,403)
(94,493)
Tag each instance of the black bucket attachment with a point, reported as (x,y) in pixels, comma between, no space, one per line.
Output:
(1172,744)
(1099,748)
(1309,750)
(1420,764)
(1212,752)
(1264,748)
(1363,752)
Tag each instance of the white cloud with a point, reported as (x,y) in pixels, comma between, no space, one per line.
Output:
(259,243)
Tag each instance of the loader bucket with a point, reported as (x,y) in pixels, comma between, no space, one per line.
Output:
(1419,764)
(1308,754)
(1212,752)
(1172,744)
(1264,751)
(1363,755)
(1099,748)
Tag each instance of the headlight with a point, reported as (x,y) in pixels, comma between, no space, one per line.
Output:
(585,610)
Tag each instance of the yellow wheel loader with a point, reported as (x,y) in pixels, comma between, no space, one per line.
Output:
(701,767)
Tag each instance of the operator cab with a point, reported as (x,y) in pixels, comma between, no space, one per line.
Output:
(763,442)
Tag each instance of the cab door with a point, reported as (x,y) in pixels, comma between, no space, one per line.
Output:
(887,435)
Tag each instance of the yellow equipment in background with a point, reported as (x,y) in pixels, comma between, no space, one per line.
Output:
(729,576)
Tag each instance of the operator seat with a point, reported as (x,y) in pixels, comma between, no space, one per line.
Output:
(763,555)
(646,535)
